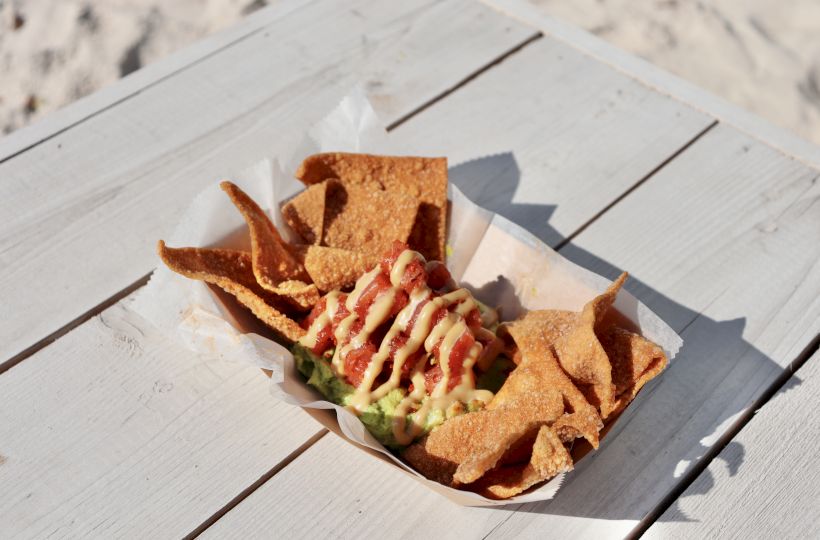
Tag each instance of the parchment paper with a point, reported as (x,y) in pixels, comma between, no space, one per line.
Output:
(503,265)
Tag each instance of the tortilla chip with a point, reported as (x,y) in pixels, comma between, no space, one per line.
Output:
(305,213)
(463,448)
(367,220)
(232,272)
(333,268)
(538,368)
(635,361)
(549,458)
(583,357)
(275,267)
(422,178)
(273,263)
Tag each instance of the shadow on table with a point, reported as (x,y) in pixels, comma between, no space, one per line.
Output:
(641,450)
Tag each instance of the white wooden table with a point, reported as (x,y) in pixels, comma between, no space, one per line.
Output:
(109,429)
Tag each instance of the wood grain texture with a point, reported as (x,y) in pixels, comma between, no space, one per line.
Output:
(729,229)
(766,482)
(83,210)
(337,491)
(569,135)
(115,431)
(662,81)
(722,243)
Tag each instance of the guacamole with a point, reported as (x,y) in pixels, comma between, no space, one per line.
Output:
(378,417)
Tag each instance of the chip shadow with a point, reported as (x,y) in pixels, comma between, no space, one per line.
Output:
(676,426)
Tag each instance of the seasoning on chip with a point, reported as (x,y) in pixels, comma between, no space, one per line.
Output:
(305,213)
(420,177)
(231,271)
(366,220)
(276,268)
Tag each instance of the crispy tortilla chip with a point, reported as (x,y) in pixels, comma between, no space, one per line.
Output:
(305,213)
(333,268)
(463,448)
(273,263)
(549,458)
(539,368)
(635,361)
(275,267)
(423,178)
(583,357)
(365,219)
(232,272)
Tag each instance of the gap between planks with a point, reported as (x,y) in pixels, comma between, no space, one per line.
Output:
(635,186)
(253,487)
(690,476)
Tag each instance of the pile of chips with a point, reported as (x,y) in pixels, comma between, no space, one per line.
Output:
(575,372)
(354,207)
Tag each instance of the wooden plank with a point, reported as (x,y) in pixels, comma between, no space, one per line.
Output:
(662,81)
(74,113)
(116,431)
(722,243)
(726,216)
(766,482)
(83,210)
(561,136)
(335,490)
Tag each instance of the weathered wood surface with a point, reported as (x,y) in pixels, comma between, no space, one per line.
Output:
(115,431)
(82,211)
(766,482)
(549,138)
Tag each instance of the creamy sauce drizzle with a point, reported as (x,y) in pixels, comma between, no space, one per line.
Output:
(424,333)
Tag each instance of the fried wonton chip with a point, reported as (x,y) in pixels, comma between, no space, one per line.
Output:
(538,368)
(549,458)
(364,219)
(422,178)
(232,272)
(275,267)
(583,357)
(305,213)
(635,361)
(463,448)
(333,268)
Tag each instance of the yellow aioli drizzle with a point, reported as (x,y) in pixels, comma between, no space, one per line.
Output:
(447,331)
(326,317)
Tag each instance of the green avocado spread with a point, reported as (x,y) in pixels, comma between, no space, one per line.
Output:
(378,417)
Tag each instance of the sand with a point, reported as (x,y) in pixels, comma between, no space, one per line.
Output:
(763,55)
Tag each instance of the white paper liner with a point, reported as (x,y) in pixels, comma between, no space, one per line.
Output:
(503,264)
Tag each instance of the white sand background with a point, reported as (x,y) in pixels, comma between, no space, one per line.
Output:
(763,55)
